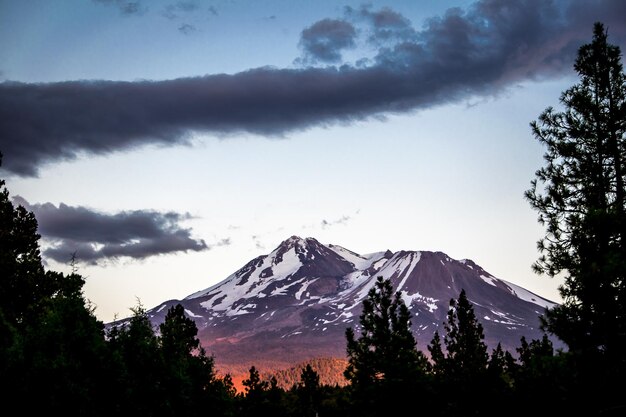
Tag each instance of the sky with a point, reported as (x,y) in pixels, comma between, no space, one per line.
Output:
(165,143)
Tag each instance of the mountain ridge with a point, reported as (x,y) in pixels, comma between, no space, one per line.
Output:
(295,303)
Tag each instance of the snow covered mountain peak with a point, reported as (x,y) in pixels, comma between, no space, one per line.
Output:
(297,241)
(296,302)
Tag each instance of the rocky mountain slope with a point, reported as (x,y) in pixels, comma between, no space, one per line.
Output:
(295,303)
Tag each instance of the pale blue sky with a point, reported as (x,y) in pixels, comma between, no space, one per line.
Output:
(447,176)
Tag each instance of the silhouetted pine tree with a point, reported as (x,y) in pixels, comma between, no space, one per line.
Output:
(51,345)
(499,382)
(384,364)
(309,392)
(136,350)
(462,369)
(549,378)
(261,397)
(580,195)
(498,365)
(189,377)
(437,356)
(466,351)
(55,357)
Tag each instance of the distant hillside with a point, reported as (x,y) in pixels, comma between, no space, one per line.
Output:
(330,371)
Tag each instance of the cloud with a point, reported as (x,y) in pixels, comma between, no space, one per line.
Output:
(222,242)
(343,220)
(173,10)
(186,6)
(125,7)
(386,25)
(187,29)
(94,236)
(329,223)
(324,40)
(257,242)
(213,11)
(459,56)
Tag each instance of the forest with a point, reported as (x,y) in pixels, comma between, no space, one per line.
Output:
(57,357)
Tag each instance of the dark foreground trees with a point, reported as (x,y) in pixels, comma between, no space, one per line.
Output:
(55,357)
(460,377)
(580,195)
(52,348)
(462,366)
(384,363)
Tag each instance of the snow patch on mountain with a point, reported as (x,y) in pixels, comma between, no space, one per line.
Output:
(400,263)
(191,313)
(289,265)
(414,259)
(412,299)
(252,281)
(504,319)
(526,295)
(489,279)
(360,262)
(304,287)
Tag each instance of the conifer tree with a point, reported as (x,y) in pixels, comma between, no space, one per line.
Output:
(383,361)
(178,334)
(462,368)
(580,195)
(308,391)
(437,356)
(549,376)
(23,282)
(497,362)
(51,344)
(189,377)
(136,349)
(466,352)
(254,385)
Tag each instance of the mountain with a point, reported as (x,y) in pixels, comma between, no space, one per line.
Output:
(295,303)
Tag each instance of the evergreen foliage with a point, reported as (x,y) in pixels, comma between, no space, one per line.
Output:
(580,195)
(262,397)
(383,361)
(308,391)
(462,368)
(546,375)
(466,357)
(56,358)
(330,371)
(52,346)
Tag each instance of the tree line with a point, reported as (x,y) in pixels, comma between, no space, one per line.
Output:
(56,357)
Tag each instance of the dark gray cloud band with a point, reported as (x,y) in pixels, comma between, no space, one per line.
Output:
(480,51)
(94,236)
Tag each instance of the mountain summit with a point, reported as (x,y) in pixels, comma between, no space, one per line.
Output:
(295,303)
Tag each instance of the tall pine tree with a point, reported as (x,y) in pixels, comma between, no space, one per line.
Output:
(309,393)
(466,355)
(580,195)
(461,367)
(384,364)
